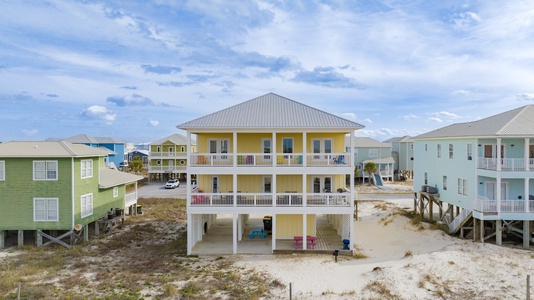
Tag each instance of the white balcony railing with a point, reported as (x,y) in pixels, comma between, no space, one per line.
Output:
(130,199)
(166,168)
(266,159)
(266,199)
(504,206)
(168,154)
(507,164)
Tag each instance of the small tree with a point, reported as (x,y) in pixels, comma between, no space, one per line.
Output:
(370,168)
(136,164)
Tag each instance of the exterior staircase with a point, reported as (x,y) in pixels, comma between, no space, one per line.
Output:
(460,220)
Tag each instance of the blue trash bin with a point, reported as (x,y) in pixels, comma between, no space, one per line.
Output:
(346,244)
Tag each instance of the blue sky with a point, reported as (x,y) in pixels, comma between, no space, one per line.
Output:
(133,70)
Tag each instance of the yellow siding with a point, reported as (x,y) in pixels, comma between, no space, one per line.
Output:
(338,140)
(288,226)
(297,141)
(250,183)
(289,183)
(251,142)
(225,183)
(203,138)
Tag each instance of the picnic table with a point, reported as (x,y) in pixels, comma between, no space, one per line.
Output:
(257,231)
(109,223)
(311,241)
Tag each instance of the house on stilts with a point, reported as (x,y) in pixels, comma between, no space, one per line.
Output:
(480,175)
(271,175)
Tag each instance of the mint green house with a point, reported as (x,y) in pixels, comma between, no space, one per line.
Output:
(52,186)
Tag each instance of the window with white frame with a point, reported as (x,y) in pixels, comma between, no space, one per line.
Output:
(426,147)
(87,205)
(444,183)
(44,170)
(462,186)
(45,209)
(2,170)
(373,152)
(439,150)
(469,151)
(87,168)
(115,192)
(451,151)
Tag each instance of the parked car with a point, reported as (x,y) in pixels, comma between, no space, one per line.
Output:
(172,184)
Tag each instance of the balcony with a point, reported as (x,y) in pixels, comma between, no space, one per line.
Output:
(267,200)
(130,199)
(507,164)
(167,154)
(504,206)
(166,169)
(266,159)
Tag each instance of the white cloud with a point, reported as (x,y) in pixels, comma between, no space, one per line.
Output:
(367,121)
(97,112)
(348,116)
(460,92)
(525,97)
(409,117)
(30,132)
(154,123)
(437,120)
(444,115)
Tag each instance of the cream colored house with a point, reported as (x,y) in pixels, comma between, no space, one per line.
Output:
(167,158)
(270,156)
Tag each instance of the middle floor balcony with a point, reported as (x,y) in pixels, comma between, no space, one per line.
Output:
(506,164)
(287,199)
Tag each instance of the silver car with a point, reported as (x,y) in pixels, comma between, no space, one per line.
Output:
(172,184)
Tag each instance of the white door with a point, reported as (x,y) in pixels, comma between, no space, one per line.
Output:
(321,185)
(491,190)
(215,184)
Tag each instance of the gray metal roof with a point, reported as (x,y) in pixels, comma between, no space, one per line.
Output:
(48,149)
(366,142)
(516,122)
(87,139)
(270,111)
(176,139)
(400,139)
(383,160)
(110,178)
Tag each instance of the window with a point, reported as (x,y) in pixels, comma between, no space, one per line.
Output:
(439,150)
(182,149)
(182,162)
(426,178)
(266,145)
(45,170)
(411,146)
(87,168)
(267,184)
(469,151)
(373,152)
(158,149)
(426,147)
(287,145)
(451,152)
(444,183)
(45,209)
(321,146)
(87,204)
(2,170)
(219,146)
(115,192)
(462,186)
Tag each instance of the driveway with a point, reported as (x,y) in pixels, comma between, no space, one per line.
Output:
(158,190)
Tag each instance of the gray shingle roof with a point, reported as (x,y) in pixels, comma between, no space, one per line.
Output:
(176,139)
(517,122)
(110,178)
(367,142)
(270,111)
(87,139)
(400,139)
(48,149)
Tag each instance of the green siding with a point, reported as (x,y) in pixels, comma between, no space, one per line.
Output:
(19,189)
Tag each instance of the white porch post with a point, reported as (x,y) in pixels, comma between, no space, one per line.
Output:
(527,193)
(189,177)
(273,188)
(498,232)
(304,232)
(189,232)
(274,150)
(2,239)
(234,230)
(304,149)
(304,189)
(526,154)
(239,228)
(273,232)
(498,193)
(499,154)
(234,188)
(234,147)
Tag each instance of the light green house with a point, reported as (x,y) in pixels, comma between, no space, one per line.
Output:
(55,185)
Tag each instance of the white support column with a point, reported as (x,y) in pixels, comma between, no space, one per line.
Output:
(482,230)
(351,230)
(97,227)
(527,193)
(239,228)
(304,197)
(234,187)
(526,234)
(274,151)
(498,193)
(526,154)
(38,239)
(304,148)
(498,232)
(2,239)
(499,154)
(188,181)
(189,233)
(352,160)
(273,232)
(86,232)
(234,147)
(304,232)
(273,188)
(234,230)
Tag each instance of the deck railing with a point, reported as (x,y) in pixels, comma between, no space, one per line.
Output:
(504,206)
(166,168)
(130,199)
(266,159)
(266,199)
(507,164)
(168,154)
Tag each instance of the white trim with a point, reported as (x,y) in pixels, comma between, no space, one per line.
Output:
(86,205)
(48,206)
(115,192)
(88,171)
(46,162)
(2,170)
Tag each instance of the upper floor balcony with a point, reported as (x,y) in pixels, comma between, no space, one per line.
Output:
(293,199)
(166,169)
(506,164)
(270,160)
(486,205)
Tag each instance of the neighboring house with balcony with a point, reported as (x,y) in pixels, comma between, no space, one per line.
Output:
(274,157)
(402,152)
(368,150)
(141,154)
(51,186)
(115,148)
(483,171)
(167,158)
